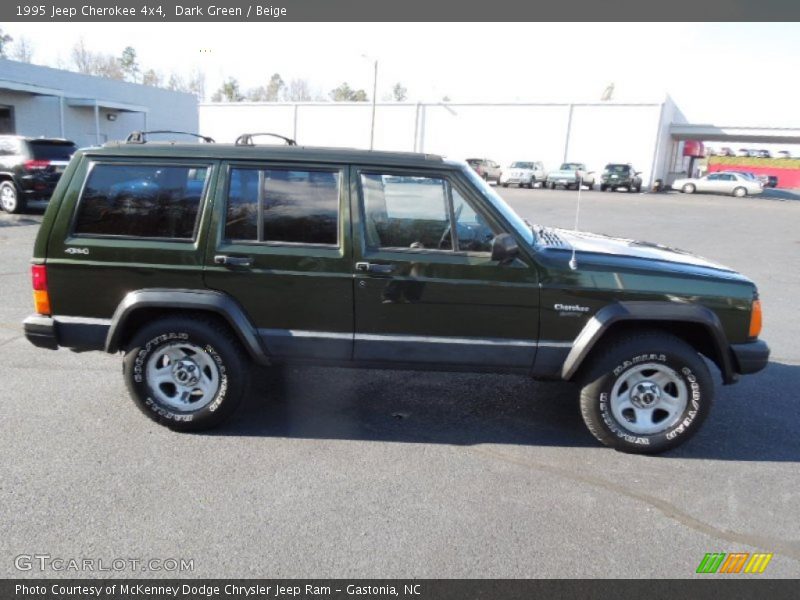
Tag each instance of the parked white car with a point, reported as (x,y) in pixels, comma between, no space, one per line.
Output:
(724,182)
(523,173)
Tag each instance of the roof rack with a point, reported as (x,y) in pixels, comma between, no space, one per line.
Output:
(139,137)
(246,139)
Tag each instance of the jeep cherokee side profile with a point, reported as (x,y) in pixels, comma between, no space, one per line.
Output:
(200,262)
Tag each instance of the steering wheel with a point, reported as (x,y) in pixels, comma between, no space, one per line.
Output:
(443,239)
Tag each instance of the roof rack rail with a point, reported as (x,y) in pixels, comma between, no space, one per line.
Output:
(139,137)
(246,139)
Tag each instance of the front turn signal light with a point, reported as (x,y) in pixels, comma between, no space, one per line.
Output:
(755,319)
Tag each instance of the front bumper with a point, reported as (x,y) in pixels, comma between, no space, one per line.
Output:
(77,334)
(751,357)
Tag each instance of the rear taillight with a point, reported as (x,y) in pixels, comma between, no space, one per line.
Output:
(41,298)
(36,165)
(755,319)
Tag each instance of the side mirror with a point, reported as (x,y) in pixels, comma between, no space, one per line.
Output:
(637,173)
(504,248)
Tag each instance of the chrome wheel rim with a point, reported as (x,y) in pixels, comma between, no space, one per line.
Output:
(183,376)
(8,198)
(649,398)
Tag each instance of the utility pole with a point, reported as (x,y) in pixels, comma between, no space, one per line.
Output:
(374,94)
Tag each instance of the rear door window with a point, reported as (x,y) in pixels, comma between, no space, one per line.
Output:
(145,201)
(280,205)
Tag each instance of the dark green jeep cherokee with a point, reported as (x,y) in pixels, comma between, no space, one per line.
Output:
(201,261)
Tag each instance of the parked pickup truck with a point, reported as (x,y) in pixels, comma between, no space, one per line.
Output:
(571,175)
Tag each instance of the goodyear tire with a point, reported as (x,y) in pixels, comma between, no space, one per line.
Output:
(187,373)
(646,393)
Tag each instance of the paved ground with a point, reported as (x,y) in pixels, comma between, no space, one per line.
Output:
(378,474)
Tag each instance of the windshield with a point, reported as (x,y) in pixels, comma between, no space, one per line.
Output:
(617,168)
(474,161)
(522,165)
(504,209)
(572,167)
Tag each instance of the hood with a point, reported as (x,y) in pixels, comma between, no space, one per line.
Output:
(596,244)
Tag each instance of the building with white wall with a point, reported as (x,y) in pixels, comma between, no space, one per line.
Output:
(593,133)
(40,101)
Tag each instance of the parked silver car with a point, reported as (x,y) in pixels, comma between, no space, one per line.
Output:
(724,182)
(523,173)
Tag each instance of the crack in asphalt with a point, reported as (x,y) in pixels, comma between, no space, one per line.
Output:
(667,509)
(9,340)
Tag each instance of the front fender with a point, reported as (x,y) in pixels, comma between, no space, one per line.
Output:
(602,321)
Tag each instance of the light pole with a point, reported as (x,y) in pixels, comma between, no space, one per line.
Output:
(374,94)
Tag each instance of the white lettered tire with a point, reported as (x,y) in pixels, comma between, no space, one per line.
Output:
(645,393)
(185,372)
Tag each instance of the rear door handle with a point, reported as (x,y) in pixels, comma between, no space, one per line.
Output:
(374,268)
(233,261)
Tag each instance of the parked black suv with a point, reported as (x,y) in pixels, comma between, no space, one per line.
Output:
(199,261)
(30,169)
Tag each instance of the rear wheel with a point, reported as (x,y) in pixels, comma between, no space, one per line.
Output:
(188,374)
(9,198)
(646,393)
(740,192)
(688,188)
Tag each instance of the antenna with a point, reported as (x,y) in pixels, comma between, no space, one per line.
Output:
(573,262)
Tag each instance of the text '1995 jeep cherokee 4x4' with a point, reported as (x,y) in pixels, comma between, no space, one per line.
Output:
(201,261)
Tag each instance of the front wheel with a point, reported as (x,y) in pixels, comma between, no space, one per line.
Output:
(186,373)
(646,393)
(688,188)
(9,198)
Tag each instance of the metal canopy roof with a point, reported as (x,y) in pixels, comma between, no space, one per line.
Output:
(108,104)
(714,133)
(27,88)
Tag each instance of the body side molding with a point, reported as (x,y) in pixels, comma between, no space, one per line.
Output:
(649,311)
(207,300)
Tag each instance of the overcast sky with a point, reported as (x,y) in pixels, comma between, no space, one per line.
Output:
(726,74)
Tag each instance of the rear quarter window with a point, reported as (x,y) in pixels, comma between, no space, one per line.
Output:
(146,201)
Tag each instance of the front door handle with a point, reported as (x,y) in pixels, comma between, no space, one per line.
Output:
(233,261)
(374,268)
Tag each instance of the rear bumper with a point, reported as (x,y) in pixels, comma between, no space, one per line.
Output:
(75,333)
(751,357)
(41,331)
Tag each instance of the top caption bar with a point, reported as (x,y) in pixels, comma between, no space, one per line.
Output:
(401,10)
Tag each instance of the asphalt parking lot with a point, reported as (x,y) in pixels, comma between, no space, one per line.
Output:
(340,473)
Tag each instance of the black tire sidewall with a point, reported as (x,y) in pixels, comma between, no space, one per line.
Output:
(222,351)
(596,394)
